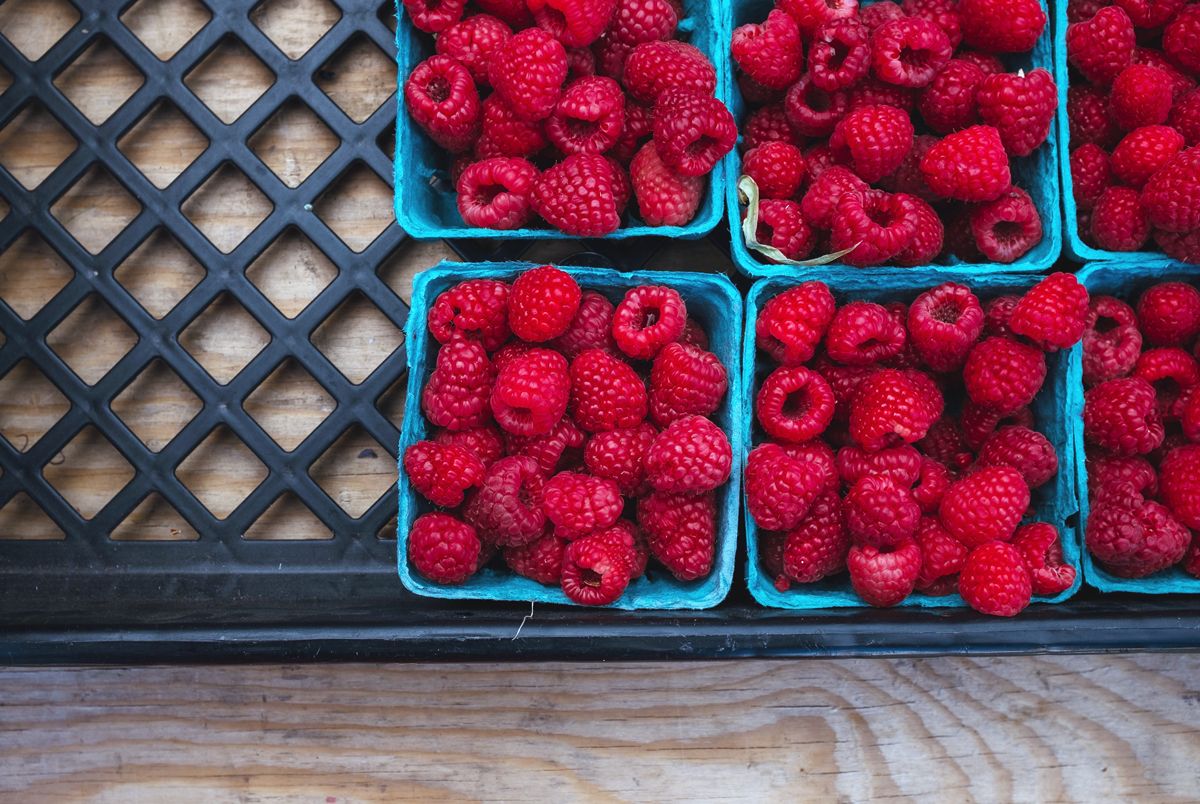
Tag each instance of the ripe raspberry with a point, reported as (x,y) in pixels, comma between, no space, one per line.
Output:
(928,236)
(902,464)
(541,560)
(943,13)
(1101,47)
(1091,174)
(941,553)
(1168,314)
(472,42)
(780,489)
(1053,313)
(622,187)
(875,225)
(943,323)
(1179,484)
(610,57)
(1185,117)
(588,118)
(1143,151)
(606,393)
(436,16)
(692,131)
(619,455)
(581,63)
(1135,539)
(664,197)
(691,454)
(1008,227)
(595,572)
(647,319)
(792,324)
(1027,451)
(505,134)
(580,504)
(907,178)
(684,381)
(996,581)
(681,530)
(591,328)
(817,547)
(1121,416)
(1141,96)
(1003,375)
(441,98)
(932,484)
(507,509)
(811,111)
(820,455)
(1182,247)
(863,333)
(840,54)
(909,51)
(638,129)
(1191,559)
(889,409)
(811,14)
(820,201)
(638,21)
(1001,26)
(1111,342)
(1118,221)
(1080,10)
(880,512)
(494,193)
(1173,372)
(1088,117)
(575,23)
(968,165)
(946,444)
(776,167)
(781,224)
(542,304)
(485,443)
(531,391)
(884,577)
(1181,39)
(476,309)
(794,404)
(769,52)
(985,506)
(979,423)
(948,103)
(443,548)
(1151,13)
(528,71)
(626,538)
(873,140)
(768,124)
(442,474)
(1042,551)
(578,196)
(654,67)
(872,92)
(1106,475)
(1020,106)
(562,445)
(510,352)
(877,14)
(513,12)
(456,396)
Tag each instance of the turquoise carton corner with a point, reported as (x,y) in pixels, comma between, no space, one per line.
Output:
(716,303)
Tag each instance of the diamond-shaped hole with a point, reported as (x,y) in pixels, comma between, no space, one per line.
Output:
(21,519)
(221,472)
(357,338)
(224,338)
(288,519)
(75,339)
(33,145)
(29,405)
(227,208)
(99,81)
(291,272)
(289,405)
(358,78)
(293,143)
(154,520)
(357,207)
(156,405)
(230,79)
(355,472)
(96,209)
(159,273)
(31,274)
(295,25)
(33,26)
(163,143)
(164,26)
(392,403)
(88,472)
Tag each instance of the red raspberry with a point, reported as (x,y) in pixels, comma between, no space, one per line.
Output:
(943,13)
(821,199)
(770,555)
(1080,10)
(619,455)
(1179,484)
(472,42)
(528,71)
(1181,39)
(1181,83)
(932,484)
(943,323)
(968,165)
(1135,539)
(811,14)
(878,13)
(664,197)
(863,333)
(907,178)
(781,224)
(791,325)
(638,129)
(559,446)
(1042,551)
(1141,96)
(578,196)
(456,396)
(692,131)
(575,23)
(513,12)
(1185,117)
(844,381)
(507,509)
(820,455)
(884,577)
(638,21)
(1171,196)
(510,352)
(985,506)
(1021,107)
(485,443)
(580,504)
(769,52)
(1091,174)
(1106,474)
(780,489)
(531,391)
(621,185)
(1008,227)
(1001,26)
(1118,221)
(434,16)
(581,63)
(946,444)
(595,572)
(610,57)
(476,309)
(681,530)
(1191,559)
(443,548)
(811,111)
(776,167)
(1168,313)
(692,454)
(1173,372)
(874,225)
(694,335)
(685,380)
(1182,247)
(1151,13)
(1102,46)
(941,553)
(442,474)
(606,393)
(541,560)
(494,193)
(872,92)
(928,235)
(902,464)
(441,98)
(948,102)
(909,51)
(873,140)
(1003,375)
(1111,342)
(542,304)
(505,134)
(817,547)
(647,319)
(626,537)
(654,67)
(1122,417)
(889,409)
(794,404)
(994,580)
(591,328)
(1053,313)
(979,423)
(768,124)
(840,54)
(588,118)
(1027,451)
(1143,151)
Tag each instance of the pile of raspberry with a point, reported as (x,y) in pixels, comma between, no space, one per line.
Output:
(1134,113)
(899,443)
(566,110)
(1141,425)
(570,436)
(889,129)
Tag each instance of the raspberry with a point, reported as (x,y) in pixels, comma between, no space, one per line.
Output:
(1091,174)
(681,531)
(948,102)
(622,187)
(685,380)
(541,560)
(768,124)
(1008,227)
(819,204)
(985,506)
(1003,375)
(928,235)
(1181,39)
(581,63)
(485,443)
(1042,551)
(1141,96)
(781,224)
(1185,117)
(1135,539)
(1080,10)
(578,197)
(442,474)
(1183,247)
(594,572)
(1151,13)
(994,580)
(505,134)
(902,464)
(1027,451)
(507,509)
(1107,473)
(1168,313)
(606,393)
(929,389)
(625,537)
(968,165)
(811,14)
(877,14)
(531,391)
(654,67)
(542,304)
(441,98)
(943,13)
(941,553)
(769,52)
(1191,559)
(1088,117)
(792,324)
(692,131)
(776,167)
(1121,416)
(880,512)
(872,92)
(528,71)
(946,444)
(884,577)
(561,445)
(494,193)
(817,547)
(909,51)
(1111,342)
(591,328)
(979,423)
(780,489)
(476,309)
(443,548)
(932,484)
(1053,313)
(637,131)
(472,42)
(907,178)
(889,409)
(1173,372)
(811,111)
(610,57)
(1001,26)
(690,455)
(1179,484)
(588,118)
(863,333)
(638,21)
(434,16)
(647,319)
(664,197)
(874,225)
(513,12)
(873,140)
(1143,151)
(818,454)
(794,404)
(839,55)
(619,455)
(580,504)
(943,323)
(575,23)
(1118,221)
(456,396)
(1101,47)
(1020,106)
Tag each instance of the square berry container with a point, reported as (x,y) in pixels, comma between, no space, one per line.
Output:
(1036,173)
(424,198)
(714,301)
(1057,408)
(1115,279)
